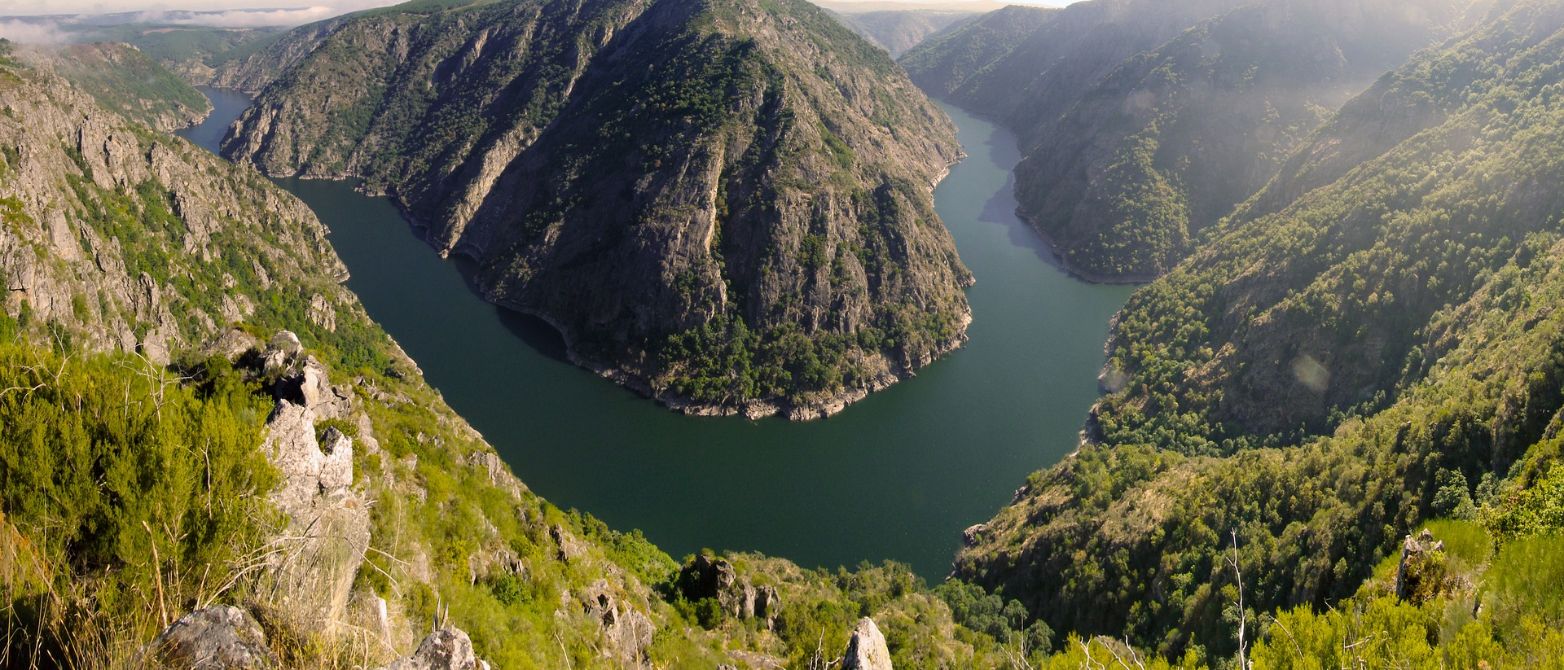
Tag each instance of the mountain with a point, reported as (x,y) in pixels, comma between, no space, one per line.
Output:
(122,78)
(210,454)
(1027,81)
(725,204)
(1370,343)
(897,30)
(1145,125)
(944,62)
(197,53)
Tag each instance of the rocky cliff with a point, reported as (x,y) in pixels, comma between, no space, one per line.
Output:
(725,204)
(123,238)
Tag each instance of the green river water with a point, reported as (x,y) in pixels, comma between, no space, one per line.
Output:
(896,476)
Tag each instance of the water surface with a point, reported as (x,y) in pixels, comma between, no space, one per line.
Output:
(896,476)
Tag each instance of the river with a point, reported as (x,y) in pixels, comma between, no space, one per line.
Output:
(896,476)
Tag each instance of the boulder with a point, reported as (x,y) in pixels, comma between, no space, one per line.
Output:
(867,650)
(286,343)
(215,638)
(445,649)
(232,344)
(322,314)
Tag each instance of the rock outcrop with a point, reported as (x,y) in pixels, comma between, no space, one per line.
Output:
(627,632)
(674,185)
(445,649)
(866,650)
(715,578)
(317,555)
(222,637)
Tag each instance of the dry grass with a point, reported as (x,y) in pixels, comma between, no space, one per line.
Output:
(52,618)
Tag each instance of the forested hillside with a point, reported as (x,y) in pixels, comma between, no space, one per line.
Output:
(122,78)
(1336,366)
(724,204)
(897,30)
(1145,123)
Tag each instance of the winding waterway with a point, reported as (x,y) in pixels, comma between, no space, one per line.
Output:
(896,476)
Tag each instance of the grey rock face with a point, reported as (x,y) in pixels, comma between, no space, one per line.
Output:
(328,523)
(866,650)
(708,577)
(626,631)
(445,649)
(215,638)
(115,294)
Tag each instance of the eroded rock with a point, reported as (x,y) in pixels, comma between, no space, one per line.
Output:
(715,578)
(627,633)
(867,649)
(216,638)
(327,533)
(445,649)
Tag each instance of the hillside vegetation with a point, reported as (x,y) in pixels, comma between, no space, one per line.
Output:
(1326,374)
(1144,123)
(122,78)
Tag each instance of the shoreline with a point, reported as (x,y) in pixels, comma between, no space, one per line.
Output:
(1058,260)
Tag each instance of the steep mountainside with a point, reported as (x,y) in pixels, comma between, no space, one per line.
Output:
(122,78)
(1028,86)
(944,62)
(897,30)
(308,498)
(723,203)
(1143,123)
(1337,364)
(1167,143)
(196,53)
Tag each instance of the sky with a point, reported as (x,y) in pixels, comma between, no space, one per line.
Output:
(282,12)
(286,11)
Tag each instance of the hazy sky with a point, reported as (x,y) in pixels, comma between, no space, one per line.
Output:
(297,11)
(313,9)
